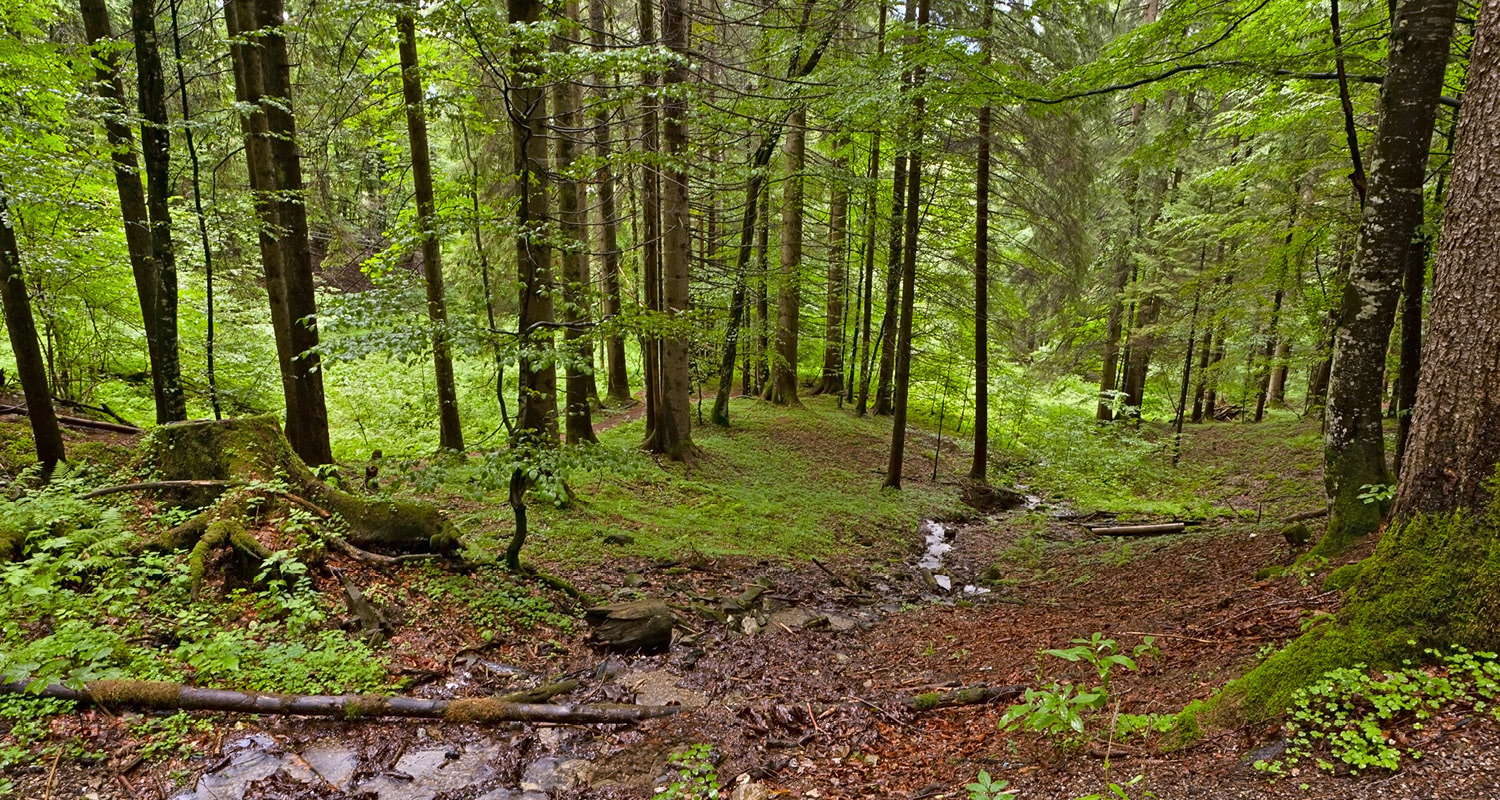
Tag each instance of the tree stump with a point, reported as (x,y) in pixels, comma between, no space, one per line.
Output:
(633,625)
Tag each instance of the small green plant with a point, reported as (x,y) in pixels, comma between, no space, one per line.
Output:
(1060,708)
(1377,492)
(986,788)
(697,776)
(1350,717)
(1118,791)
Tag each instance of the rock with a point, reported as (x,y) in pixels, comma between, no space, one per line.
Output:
(633,625)
(659,688)
(1297,534)
(792,618)
(749,626)
(621,539)
(548,774)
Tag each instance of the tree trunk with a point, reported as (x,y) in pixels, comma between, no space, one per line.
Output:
(888,321)
(1354,449)
(618,384)
(1208,341)
(31,368)
(782,388)
(1268,351)
(156,152)
(311,428)
(1138,359)
(868,280)
(245,53)
(674,422)
(138,238)
(762,360)
(573,228)
(450,432)
(537,402)
(901,390)
(838,274)
(1277,390)
(651,226)
(1431,581)
(979,469)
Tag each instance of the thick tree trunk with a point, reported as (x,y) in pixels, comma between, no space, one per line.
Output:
(1203,356)
(31,368)
(156,152)
(888,321)
(651,226)
(450,432)
(762,360)
(1431,581)
(572,219)
(1354,450)
(618,384)
(245,53)
(838,274)
(537,401)
(1268,352)
(311,428)
(674,422)
(901,390)
(862,395)
(1138,359)
(138,238)
(782,388)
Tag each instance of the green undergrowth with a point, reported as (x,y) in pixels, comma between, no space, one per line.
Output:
(780,483)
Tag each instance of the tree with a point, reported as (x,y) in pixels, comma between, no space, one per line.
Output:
(674,422)
(1354,448)
(979,469)
(156,148)
(838,274)
(1431,581)
(782,388)
(21,325)
(572,219)
(618,386)
(450,432)
(902,388)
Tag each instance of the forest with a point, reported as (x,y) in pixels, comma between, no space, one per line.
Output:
(448,399)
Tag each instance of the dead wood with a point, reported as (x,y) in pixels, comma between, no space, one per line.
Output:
(1140,530)
(116,695)
(1307,515)
(968,696)
(77,422)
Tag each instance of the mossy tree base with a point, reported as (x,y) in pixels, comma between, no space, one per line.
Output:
(1433,582)
(254,449)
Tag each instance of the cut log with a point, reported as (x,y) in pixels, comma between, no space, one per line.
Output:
(968,696)
(199,460)
(116,695)
(635,625)
(1140,530)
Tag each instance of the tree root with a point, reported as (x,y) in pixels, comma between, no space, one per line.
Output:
(163,696)
(218,534)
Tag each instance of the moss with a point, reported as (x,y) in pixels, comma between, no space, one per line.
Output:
(1343,577)
(366,705)
(12,543)
(113,694)
(1297,534)
(1349,516)
(1434,581)
(926,701)
(477,710)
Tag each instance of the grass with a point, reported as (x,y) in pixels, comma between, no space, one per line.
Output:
(780,484)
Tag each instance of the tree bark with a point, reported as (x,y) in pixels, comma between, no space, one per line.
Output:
(651,225)
(979,469)
(888,320)
(618,383)
(245,55)
(674,424)
(572,219)
(31,368)
(1354,447)
(782,388)
(450,432)
(156,152)
(537,401)
(137,222)
(901,389)
(1202,386)
(311,442)
(838,274)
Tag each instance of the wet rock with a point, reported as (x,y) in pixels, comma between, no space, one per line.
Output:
(659,688)
(633,625)
(433,771)
(248,760)
(549,774)
(511,794)
(792,618)
(750,790)
(332,762)
(749,625)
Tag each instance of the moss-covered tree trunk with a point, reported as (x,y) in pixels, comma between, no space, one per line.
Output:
(1434,580)
(1354,449)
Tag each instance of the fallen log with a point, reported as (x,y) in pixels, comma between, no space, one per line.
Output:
(115,695)
(1307,515)
(1140,530)
(968,696)
(77,422)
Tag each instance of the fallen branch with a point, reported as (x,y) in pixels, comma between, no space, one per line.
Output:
(968,696)
(1140,530)
(1307,515)
(375,559)
(148,486)
(77,422)
(163,696)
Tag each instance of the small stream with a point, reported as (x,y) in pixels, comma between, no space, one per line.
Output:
(939,538)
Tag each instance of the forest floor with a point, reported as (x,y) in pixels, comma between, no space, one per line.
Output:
(811,605)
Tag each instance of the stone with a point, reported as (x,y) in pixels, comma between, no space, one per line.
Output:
(621,539)
(548,774)
(632,625)
(659,688)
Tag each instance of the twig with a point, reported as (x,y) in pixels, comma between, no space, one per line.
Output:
(52,774)
(1169,636)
